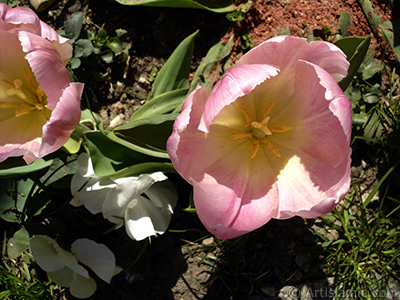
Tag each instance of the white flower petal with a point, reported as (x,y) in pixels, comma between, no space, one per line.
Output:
(140,229)
(51,257)
(143,219)
(93,199)
(63,277)
(86,166)
(163,195)
(118,199)
(96,256)
(128,188)
(82,287)
(75,202)
(47,255)
(70,261)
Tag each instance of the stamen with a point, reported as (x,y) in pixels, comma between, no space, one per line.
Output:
(29,79)
(247,116)
(11,104)
(268,110)
(9,84)
(241,136)
(272,147)
(254,147)
(40,94)
(33,97)
(260,131)
(39,106)
(24,110)
(281,128)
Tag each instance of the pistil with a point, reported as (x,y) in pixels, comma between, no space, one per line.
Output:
(260,131)
(32,97)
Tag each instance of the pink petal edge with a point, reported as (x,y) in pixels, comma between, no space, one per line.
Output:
(64,119)
(282,51)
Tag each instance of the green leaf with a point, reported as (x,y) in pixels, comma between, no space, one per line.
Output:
(59,169)
(73,145)
(75,63)
(18,243)
(115,45)
(360,119)
(378,23)
(370,66)
(13,195)
(164,103)
(83,48)
(371,97)
(344,22)
(378,185)
(150,133)
(89,118)
(73,26)
(147,167)
(6,201)
(102,35)
(110,157)
(373,127)
(355,49)
(222,6)
(108,57)
(174,74)
(205,73)
(16,166)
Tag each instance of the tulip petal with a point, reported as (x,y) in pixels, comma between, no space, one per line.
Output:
(63,120)
(22,141)
(309,188)
(319,114)
(33,46)
(283,51)
(237,194)
(12,62)
(25,138)
(47,65)
(236,82)
(96,256)
(23,15)
(269,141)
(185,124)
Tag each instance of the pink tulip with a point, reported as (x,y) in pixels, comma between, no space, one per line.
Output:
(271,140)
(39,105)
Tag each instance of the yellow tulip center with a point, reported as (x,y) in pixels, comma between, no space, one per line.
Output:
(31,97)
(258,131)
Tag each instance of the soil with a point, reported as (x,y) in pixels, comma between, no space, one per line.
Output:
(260,264)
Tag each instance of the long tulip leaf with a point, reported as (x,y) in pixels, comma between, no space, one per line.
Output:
(211,5)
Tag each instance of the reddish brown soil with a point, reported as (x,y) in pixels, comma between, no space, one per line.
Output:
(268,18)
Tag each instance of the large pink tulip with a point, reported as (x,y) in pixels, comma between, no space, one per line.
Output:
(271,140)
(39,105)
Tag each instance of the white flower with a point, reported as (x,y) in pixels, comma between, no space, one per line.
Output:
(63,267)
(144,202)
